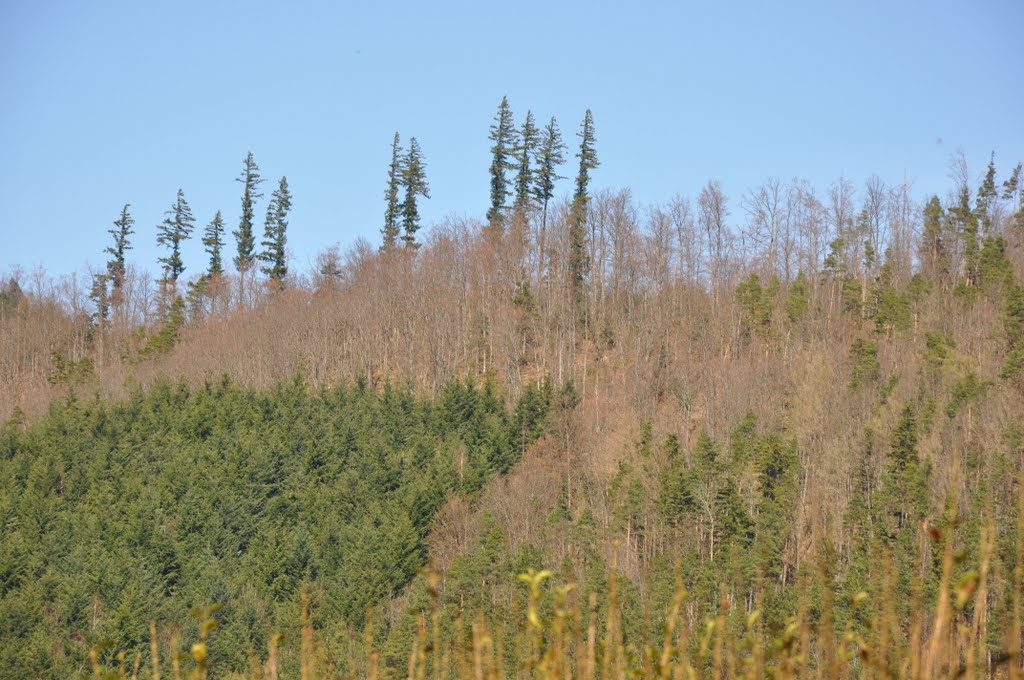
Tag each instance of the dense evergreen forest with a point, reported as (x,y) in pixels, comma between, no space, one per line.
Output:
(803,405)
(119,513)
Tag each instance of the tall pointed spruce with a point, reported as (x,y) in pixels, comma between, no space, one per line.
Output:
(100,296)
(986,198)
(116,265)
(503,134)
(579,261)
(275,234)
(251,180)
(904,500)
(213,243)
(393,211)
(171,232)
(550,155)
(529,141)
(414,179)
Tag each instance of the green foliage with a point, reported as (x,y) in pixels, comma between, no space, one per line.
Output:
(779,484)
(918,287)
(743,438)
(757,303)
(10,295)
(1014,363)
(1013,325)
(866,369)
(213,243)
(965,390)
(244,236)
(392,210)
(503,135)
(891,307)
(65,371)
(171,233)
(526,152)
(986,197)
(939,348)
(903,501)
(588,159)
(796,302)
(964,223)
(995,269)
(551,154)
(116,264)
(275,234)
(166,337)
(834,262)
(888,388)
(935,242)
(100,296)
(579,260)
(117,514)
(414,181)
(852,296)
(892,311)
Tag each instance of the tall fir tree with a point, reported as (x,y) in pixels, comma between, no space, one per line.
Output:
(245,237)
(503,135)
(116,264)
(414,179)
(177,227)
(393,209)
(588,160)
(934,250)
(213,243)
(986,198)
(529,141)
(551,154)
(275,234)
(964,223)
(100,295)
(1012,185)
(904,499)
(579,260)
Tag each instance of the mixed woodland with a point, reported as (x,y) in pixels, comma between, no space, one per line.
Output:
(803,406)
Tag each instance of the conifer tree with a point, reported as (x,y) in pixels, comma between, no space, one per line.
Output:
(414,179)
(903,499)
(251,180)
(503,134)
(116,265)
(587,156)
(796,302)
(986,197)
(933,247)
(100,296)
(1013,323)
(213,243)
(393,211)
(550,155)
(171,232)
(964,222)
(905,468)
(1012,185)
(275,234)
(529,139)
(579,261)
(779,485)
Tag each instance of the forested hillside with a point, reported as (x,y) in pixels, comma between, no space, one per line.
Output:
(764,398)
(117,514)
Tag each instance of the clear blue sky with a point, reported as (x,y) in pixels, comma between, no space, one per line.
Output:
(103,103)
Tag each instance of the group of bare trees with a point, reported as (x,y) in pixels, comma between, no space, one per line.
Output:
(469,302)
